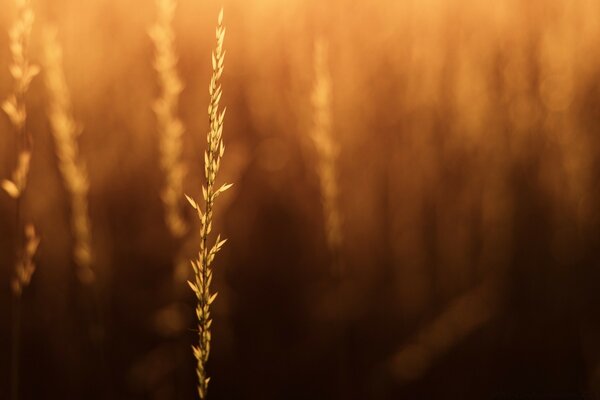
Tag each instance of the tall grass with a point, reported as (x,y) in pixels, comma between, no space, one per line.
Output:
(165,107)
(22,72)
(327,151)
(74,174)
(202,265)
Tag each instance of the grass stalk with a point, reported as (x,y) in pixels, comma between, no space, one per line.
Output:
(66,132)
(327,152)
(22,72)
(202,265)
(170,126)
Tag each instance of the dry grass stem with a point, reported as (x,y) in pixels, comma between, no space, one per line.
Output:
(202,265)
(327,151)
(74,174)
(22,72)
(165,107)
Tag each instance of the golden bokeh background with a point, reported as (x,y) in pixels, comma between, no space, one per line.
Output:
(468,174)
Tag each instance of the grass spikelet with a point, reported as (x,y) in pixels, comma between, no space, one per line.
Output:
(202,265)
(327,151)
(165,107)
(74,174)
(25,265)
(22,72)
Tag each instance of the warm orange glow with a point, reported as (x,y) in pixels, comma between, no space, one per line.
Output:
(445,152)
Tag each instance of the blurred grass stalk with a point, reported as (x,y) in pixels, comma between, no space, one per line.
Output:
(74,174)
(170,127)
(212,163)
(460,319)
(22,72)
(327,152)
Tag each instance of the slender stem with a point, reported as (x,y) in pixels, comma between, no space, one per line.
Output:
(16,346)
(16,318)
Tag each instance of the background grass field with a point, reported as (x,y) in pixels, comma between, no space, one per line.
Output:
(469,194)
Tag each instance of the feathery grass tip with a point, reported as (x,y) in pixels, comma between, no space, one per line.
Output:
(22,72)
(202,265)
(327,151)
(74,174)
(165,107)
